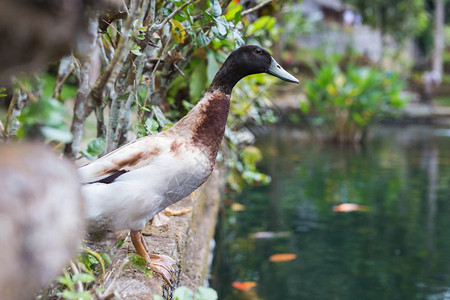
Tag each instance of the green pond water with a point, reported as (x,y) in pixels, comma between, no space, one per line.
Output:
(399,249)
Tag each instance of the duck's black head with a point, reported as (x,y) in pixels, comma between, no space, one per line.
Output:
(247,60)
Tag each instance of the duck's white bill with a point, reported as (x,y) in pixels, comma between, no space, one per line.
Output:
(276,70)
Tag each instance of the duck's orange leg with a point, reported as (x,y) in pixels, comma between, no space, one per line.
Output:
(161,264)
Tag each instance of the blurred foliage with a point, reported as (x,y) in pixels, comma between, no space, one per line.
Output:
(95,147)
(343,101)
(82,276)
(45,118)
(400,18)
(48,82)
(250,99)
(68,282)
(198,40)
(447,36)
(3,92)
(214,36)
(139,263)
(253,107)
(295,22)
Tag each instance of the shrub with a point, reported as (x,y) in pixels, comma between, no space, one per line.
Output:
(342,102)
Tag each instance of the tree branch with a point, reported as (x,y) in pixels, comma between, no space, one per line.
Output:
(81,108)
(15,109)
(123,49)
(156,27)
(22,87)
(64,70)
(256,7)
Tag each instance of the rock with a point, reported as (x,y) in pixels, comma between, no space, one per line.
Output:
(41,218)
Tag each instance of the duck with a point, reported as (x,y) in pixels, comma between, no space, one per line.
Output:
(126,188)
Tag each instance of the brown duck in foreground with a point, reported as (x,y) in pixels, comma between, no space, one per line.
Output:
(129,186)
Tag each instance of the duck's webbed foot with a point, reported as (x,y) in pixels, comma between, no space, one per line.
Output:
(161,264)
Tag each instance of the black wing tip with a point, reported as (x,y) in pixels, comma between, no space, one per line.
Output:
(111,178)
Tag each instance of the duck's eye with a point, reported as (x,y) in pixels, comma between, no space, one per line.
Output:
(258,51)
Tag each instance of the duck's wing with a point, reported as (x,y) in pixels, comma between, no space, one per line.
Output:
(129,157)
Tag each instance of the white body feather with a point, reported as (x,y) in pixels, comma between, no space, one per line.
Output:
(153,183)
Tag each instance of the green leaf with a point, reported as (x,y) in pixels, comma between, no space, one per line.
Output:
(95,147)
(254,176)
(2,92)
(151,126)
(220,29)
(56,134)
(264,22)
(222,26)
(139,263)
(237,17)
(216,33)
(183,293)
(250,156)
(238,40)
(208,16)
(187,105)
(83,277)
(212,67)
(180,17)
(167,126)
(64,280)
(206,293)
(160,117)
(190,8)
(304,106)
(120,242)
(359,119)
(233,12)
(84,259)
(216,10)
(106,258)
(136,49)
(202,40)
(198,82)
(144,108)
(76,295)
(47,111)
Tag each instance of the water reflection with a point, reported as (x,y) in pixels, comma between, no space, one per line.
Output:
(397,250)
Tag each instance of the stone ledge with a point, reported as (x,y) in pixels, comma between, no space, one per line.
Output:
(185,238)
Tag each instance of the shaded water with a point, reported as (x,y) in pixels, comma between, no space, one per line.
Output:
(400,249)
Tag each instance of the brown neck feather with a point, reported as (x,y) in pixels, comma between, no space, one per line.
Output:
(204,125)
(210,125)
